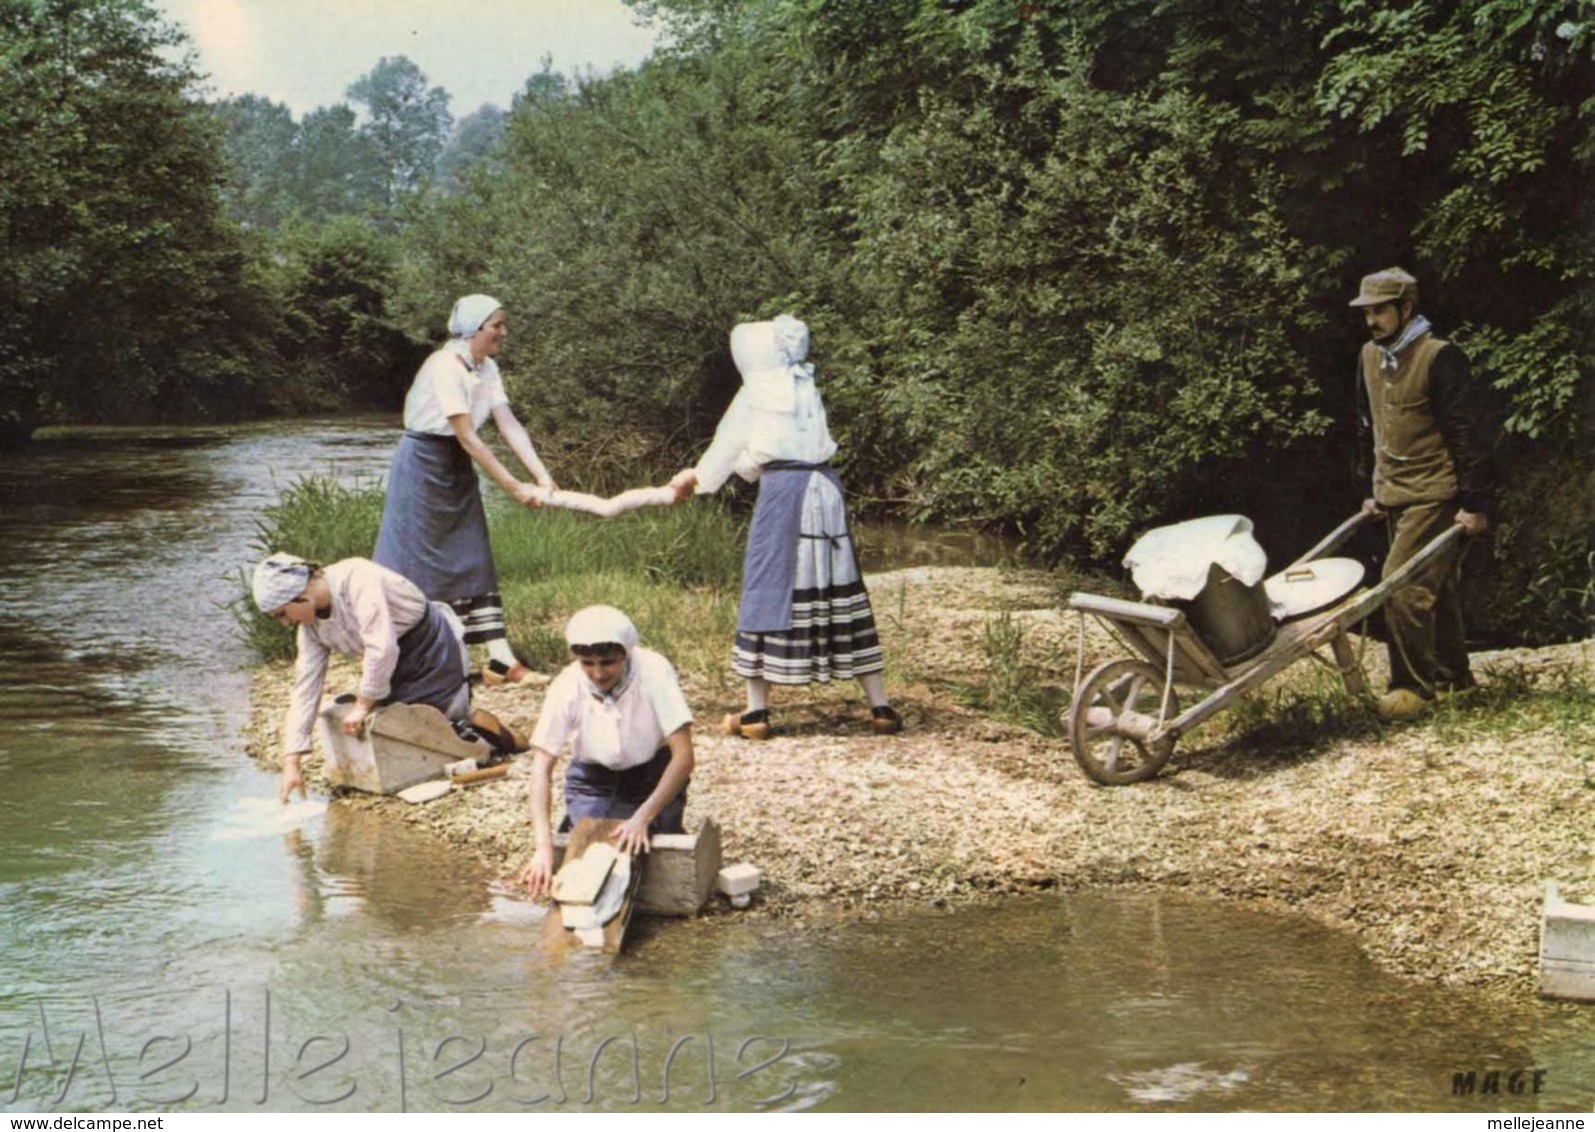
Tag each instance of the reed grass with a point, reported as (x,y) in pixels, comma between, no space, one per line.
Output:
(1512,698)
(1295,716)
(316,517)
(674,570)
(1017,688)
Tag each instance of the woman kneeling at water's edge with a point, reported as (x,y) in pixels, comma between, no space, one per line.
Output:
(434,529)
(411,649)
(620,710)
(805,614)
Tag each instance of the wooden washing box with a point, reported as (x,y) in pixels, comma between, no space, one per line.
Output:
(678,873)
(403,744)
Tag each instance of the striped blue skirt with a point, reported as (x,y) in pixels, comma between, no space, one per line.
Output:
(805,614)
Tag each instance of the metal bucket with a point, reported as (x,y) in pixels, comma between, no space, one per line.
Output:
(1231,618)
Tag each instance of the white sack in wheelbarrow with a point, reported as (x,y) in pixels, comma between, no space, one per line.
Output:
(1172,562)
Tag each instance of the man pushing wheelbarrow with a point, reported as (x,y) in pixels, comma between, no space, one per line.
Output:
(1211,621)
(1431,468)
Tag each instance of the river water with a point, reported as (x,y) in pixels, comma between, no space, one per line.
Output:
(172,939)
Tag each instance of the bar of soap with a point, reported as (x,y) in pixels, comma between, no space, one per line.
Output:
(738,880)
(579,881)
(426,791)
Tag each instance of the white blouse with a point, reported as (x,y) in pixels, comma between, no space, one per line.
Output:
(372,607)
(622,729)
(448,385)
(774,416)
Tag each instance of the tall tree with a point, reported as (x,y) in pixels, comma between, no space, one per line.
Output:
(475,139)
(407,121)
(337,168)
(119,282)
(260,141)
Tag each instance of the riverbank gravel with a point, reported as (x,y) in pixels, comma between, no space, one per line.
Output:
(1430,842)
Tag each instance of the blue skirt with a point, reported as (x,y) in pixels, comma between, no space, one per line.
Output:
(434,530)
(594,791)
(432,667)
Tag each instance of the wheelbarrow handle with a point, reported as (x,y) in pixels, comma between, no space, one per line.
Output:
(1371,599)
(1430,549)
(1336,538)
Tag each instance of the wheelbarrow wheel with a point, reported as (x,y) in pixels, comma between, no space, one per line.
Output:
(1113,712)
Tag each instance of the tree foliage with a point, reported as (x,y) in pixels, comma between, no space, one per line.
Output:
(474,140)
(622,225)
(332,163)
(259,141)
(123,292)
(1072,268)
(338,344)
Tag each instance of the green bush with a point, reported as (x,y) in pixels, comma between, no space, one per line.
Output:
(1559,603)
(1017,689)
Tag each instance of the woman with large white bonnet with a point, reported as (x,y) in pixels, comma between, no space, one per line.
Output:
(805,614)
(434,529)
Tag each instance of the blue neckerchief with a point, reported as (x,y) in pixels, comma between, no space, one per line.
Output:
(1415,329)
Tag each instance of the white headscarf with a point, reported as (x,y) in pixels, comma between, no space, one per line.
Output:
(602,625)
(279,579)
(470,313)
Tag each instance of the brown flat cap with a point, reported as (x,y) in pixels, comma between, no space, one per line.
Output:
(1388,286)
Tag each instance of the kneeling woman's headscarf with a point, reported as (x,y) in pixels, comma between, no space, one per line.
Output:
(470,313)
(603,625)
(600,625)
(279,579)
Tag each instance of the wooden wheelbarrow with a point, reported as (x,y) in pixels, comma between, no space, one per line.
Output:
(1125,717)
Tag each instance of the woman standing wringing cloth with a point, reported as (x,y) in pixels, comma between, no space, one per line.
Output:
(434,529)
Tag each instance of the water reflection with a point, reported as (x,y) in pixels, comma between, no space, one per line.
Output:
(402,879)
(892,545)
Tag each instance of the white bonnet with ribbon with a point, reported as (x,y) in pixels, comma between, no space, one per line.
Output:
(771,357)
